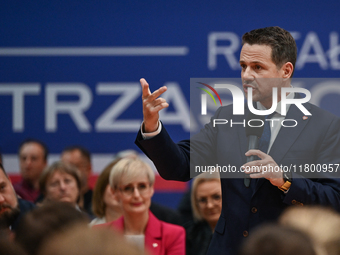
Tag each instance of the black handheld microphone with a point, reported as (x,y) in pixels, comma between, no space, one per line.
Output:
(253,132)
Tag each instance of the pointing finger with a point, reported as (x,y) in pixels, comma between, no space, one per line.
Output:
(145,88)
(157,93)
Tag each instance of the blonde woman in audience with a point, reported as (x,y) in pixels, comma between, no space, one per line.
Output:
(206,203)
(104,203)
(133,180)
(60,182)
(320,223)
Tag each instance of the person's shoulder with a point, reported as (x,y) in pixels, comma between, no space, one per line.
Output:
(321,115)
(25,205)
(97,221)
(225,109)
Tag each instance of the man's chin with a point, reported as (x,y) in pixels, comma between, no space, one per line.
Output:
(66,200)
(8,216)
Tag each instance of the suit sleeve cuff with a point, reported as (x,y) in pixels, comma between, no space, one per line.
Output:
(147,136)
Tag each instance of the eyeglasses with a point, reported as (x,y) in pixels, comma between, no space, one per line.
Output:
(215,199)
(142,188)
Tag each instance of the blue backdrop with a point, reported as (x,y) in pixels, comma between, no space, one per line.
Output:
(69,70)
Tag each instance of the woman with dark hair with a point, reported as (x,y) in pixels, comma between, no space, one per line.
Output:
(60,182)
(104,202)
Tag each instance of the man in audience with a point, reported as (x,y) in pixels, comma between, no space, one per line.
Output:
(46,221)
(33,159)
(81,158)
(11,208)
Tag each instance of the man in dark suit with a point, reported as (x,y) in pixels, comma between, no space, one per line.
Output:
(267,60)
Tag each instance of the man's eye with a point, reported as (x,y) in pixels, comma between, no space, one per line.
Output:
(257,67)
(54,184)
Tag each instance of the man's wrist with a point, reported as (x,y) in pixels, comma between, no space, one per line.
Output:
(152,134)
(149,129)
(287,178)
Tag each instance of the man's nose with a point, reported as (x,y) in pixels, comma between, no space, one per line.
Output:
(28,161)
(247,74)
(62,185)
(2,198)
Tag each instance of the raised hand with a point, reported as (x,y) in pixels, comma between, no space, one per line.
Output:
(152,104)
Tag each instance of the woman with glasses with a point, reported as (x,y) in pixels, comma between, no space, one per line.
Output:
(132,180)
(206,202)
(60,182)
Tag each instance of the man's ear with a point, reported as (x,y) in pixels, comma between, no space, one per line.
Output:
(287,70)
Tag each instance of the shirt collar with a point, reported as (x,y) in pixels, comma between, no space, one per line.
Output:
(278,109)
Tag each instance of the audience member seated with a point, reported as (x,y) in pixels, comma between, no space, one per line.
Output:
(33,159)
(85,241)
(320,223)
(11,208)
(60,182)
(162,212)
(133,180)
(104,203)
(206,202)
(80,157)
(44,222)
(106,207)
(278,240)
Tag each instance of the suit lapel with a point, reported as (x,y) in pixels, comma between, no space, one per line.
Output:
(242,138)
(286,137)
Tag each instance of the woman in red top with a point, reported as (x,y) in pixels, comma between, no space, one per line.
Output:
(132,180)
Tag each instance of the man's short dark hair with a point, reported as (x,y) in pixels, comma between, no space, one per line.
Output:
(280,41)
(30,140)
(41,223)
(3,169)
(83,151)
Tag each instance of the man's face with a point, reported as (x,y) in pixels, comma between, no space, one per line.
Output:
(9,208)
(76,159)
(32,162)
(261,73)
(62,187)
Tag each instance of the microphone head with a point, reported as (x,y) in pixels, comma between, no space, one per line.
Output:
(257,130)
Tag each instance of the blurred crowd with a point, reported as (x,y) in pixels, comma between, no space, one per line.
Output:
(53,210)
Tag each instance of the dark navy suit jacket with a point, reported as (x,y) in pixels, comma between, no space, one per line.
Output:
(315,140)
